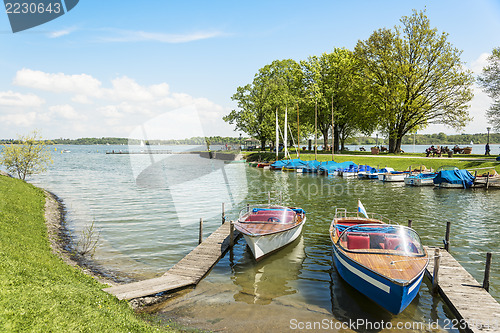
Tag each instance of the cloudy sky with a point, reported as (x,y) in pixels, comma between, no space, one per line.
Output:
(107,67)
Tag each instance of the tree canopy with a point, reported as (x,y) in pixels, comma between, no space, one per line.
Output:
(414,77)
(490,82)
(397,81)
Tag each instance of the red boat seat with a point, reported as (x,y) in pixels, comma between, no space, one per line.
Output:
(391,242)
(358,241)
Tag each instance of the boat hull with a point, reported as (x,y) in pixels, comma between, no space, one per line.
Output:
(386,293)
(449,185)
(392,177)
(262,245)
(419,181)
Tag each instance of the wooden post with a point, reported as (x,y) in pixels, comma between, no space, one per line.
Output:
(435,274)
(248,208)
(447,237)
(486,281)
(409,223)
(223,214)
(231,234)
(487,180)
(200,238)
(411,168)
(269,198)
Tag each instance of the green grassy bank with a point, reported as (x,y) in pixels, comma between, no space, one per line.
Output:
(38,291)
(397,162)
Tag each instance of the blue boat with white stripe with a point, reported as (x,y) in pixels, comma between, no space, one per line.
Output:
(382,260)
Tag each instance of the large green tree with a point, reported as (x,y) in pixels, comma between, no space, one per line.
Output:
(414,77)
(276,86)
(490,81)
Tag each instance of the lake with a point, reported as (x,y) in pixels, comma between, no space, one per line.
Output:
(147,209)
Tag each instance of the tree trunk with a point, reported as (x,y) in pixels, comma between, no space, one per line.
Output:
(392,144)
(325,139)
(336,139)
(263,144)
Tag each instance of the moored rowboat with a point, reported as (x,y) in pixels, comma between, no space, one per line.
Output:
(384,261)
(268,228)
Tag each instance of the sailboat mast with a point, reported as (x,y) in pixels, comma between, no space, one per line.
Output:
(333,129)
(316,131)
(286,133)
(298,133)
(277,136)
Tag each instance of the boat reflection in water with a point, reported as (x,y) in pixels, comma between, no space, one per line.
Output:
(274,276)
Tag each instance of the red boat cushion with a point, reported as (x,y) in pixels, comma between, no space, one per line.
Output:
(358,241)
(391,242)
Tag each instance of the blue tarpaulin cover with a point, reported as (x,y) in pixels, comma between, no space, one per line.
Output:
(296,163)
(279,164)
(454,177)
(311,166)
(332,166)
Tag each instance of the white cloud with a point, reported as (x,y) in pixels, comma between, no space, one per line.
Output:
(66,111)
(19,119)
(108,108)
(10,98)
(81,84)
(478,64)
(141,36)
(60,33)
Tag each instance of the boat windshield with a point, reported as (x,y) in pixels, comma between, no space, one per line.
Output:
(380,238)
(272,214)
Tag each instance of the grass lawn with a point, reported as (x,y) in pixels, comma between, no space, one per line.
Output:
(38,291)
(397,162)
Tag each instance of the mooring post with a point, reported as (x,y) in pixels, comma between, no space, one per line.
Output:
(231,234)
(409,223)
(486,281)
(435,274)
(269,198)
(223,214)
(447,237)
(487,180)
(200,238)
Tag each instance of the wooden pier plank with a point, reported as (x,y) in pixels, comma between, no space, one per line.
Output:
(464,295)
(188,271)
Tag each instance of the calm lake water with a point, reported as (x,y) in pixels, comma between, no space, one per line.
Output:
(147,209)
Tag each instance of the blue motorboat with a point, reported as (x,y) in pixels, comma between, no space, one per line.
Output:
(382,260)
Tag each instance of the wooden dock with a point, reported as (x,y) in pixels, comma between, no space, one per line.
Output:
(470,303)
(187,272)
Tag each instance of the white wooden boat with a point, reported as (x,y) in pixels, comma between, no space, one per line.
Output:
(393,176)
(268,228)
(421,179)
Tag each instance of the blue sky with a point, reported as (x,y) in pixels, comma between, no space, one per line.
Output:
(107,67)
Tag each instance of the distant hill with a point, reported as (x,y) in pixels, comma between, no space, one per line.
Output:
(214,140)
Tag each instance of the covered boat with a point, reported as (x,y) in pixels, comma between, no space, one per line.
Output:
(332,168)
(268,228)
(311,166)
(278,165)
(382,260)
(393,176)
(295,165)
(454,179)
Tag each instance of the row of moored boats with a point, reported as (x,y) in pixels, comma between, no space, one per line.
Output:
(446,176)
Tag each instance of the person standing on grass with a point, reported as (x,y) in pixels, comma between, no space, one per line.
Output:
(487,149)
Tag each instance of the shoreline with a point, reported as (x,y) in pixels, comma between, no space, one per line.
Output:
(61,244)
